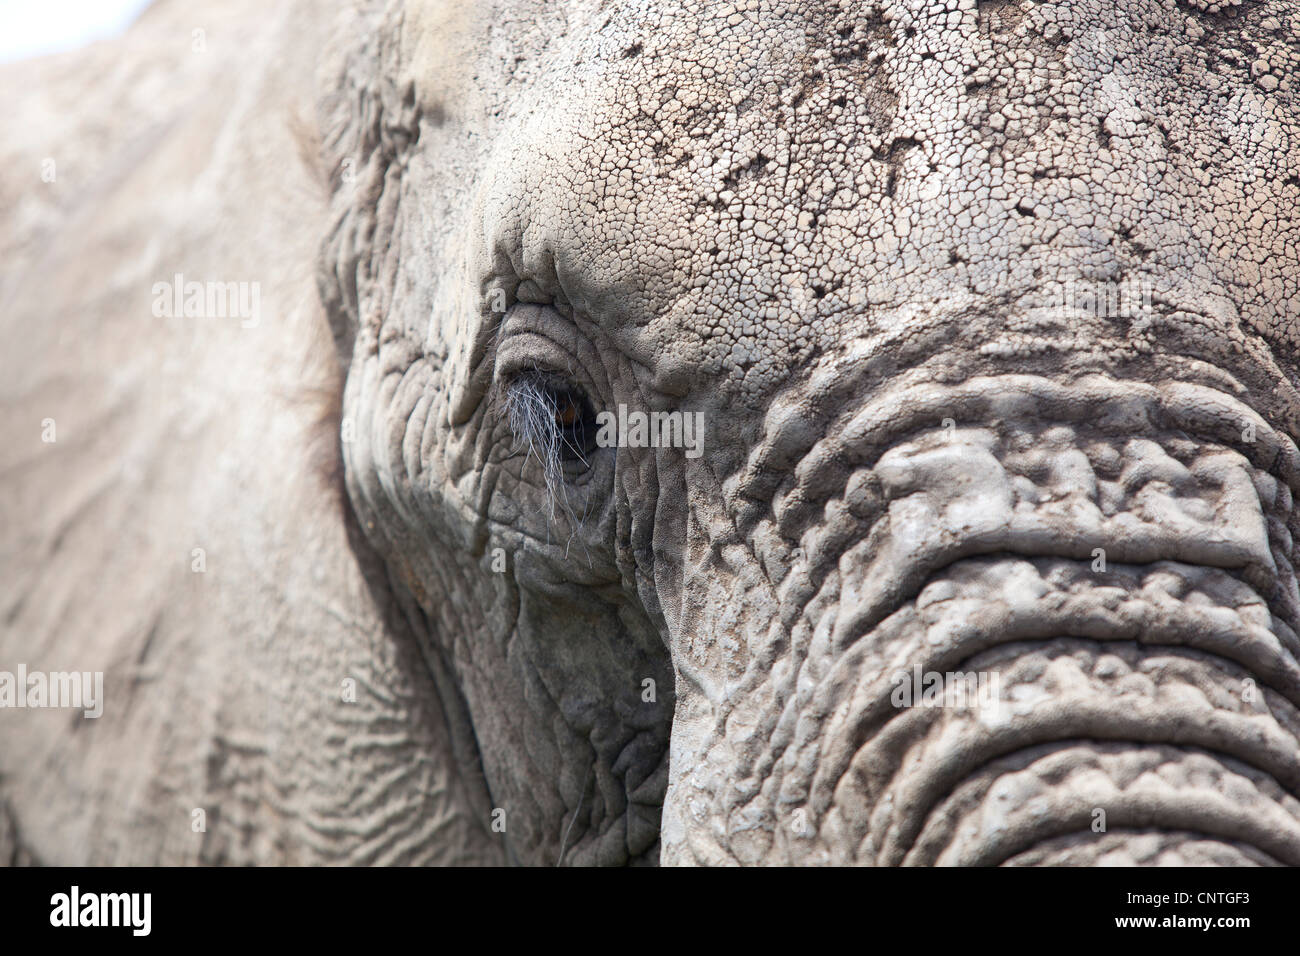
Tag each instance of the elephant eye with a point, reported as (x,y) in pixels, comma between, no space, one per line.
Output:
(552,418)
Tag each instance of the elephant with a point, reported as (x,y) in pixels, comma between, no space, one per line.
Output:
(599,432)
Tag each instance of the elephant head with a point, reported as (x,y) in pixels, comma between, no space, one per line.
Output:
(986,313)
(852,240)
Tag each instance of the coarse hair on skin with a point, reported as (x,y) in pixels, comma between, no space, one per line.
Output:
(530,400)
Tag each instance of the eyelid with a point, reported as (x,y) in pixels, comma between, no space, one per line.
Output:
(528,353)
(556,382)
(531,352)
(534,339)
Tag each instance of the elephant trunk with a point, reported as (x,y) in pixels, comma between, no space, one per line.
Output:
(1020,620)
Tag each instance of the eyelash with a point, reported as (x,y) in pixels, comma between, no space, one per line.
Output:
(552,419)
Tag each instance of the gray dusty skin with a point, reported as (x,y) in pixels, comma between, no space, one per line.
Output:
(840,232)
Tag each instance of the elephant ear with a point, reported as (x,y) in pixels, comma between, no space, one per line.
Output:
(170,487)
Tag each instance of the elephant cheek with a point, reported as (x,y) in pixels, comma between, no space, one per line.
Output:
(1045,635)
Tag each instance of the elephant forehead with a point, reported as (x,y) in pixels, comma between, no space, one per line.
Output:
(740,186)
(669,165)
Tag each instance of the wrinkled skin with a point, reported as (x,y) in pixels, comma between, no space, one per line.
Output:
(835,231)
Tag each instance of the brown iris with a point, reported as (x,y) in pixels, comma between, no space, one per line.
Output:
(567,412)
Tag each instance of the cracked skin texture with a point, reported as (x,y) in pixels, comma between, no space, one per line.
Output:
(837,230)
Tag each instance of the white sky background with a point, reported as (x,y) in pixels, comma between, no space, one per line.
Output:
(35,27)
